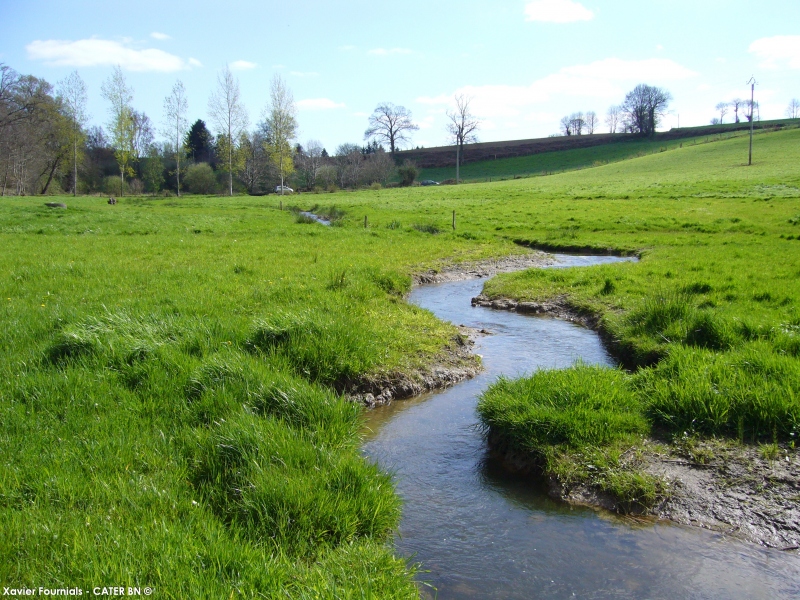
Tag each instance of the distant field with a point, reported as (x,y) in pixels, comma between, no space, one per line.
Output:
(554,155)
(168,366)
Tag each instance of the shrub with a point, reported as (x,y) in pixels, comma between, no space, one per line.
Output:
(200,179)
(114,186)
(408,173)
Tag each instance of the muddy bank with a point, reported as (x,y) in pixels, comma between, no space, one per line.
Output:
(741,490)
(736,490)
(453,364)
(484,268)
(716,485)
(556,307)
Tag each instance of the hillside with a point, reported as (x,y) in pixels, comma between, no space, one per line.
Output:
(515,158)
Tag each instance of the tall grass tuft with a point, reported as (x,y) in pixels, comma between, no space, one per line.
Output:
(583,405)
(751,392)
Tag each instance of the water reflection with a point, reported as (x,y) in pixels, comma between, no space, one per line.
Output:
(482,532)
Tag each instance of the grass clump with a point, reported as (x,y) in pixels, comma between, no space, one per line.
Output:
(577,425)
(751,393)
(326,348)
(576,407)
(275,487)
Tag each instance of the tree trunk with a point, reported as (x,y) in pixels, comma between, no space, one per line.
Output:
(75,167)
(178,161)
(230,163)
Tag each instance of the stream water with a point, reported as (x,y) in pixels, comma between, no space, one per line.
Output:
(481,532)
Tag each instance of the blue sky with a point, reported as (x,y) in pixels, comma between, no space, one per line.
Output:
(525,63)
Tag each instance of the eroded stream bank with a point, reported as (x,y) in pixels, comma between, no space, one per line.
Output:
(485,533)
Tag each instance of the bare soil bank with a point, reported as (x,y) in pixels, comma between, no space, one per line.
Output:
(745,491)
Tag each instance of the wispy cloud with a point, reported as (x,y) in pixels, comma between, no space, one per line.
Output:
(778,51)
(195,63)
(156,35)
(602,80)
(389,51)
(95,52)
(242,65)
(304,73)
(557,11)
(318,104)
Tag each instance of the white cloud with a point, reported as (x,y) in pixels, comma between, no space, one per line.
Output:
(557,11)
(95,52)
(606,80)
(160,36)
(242,65)
(778,51)
(304,73)
(427,122)
(387,52)
(195,63)
(319,104)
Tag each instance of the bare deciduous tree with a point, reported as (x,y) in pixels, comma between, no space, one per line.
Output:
(391,124)
(736,104)
(613,118)
(229,117)
(722,108)
(793,110)
(578,123)
(591,122)
(175,124)
(752,107)
(566,125)
(72,92)
(309,163)
(462,128)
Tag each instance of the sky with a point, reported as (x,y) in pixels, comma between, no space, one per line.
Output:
(523,63)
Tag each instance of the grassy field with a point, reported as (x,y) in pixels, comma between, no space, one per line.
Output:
(548,163)
(168,414)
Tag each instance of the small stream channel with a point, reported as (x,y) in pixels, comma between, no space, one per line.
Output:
(481,532)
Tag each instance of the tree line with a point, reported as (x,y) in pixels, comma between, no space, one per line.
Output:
(47,146)
(639,113)
(750,110)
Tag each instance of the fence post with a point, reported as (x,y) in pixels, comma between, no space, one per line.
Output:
(281,204)
(365,221)
(454,220)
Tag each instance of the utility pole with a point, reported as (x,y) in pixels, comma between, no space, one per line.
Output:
(752,83)
(458,160)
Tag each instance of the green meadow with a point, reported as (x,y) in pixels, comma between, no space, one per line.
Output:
(172,369)
(547,163)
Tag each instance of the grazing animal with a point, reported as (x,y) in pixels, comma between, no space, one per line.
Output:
(112,200)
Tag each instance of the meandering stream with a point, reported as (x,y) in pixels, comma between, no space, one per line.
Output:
(480,532)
